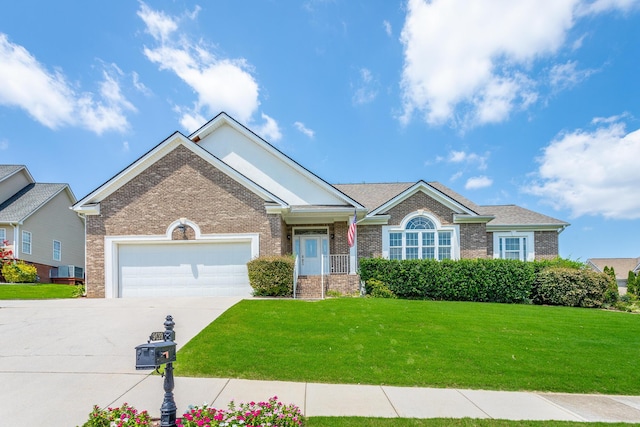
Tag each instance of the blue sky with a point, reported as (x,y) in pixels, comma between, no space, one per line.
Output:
(533,102)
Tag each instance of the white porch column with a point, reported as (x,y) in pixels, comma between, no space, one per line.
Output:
(353,256)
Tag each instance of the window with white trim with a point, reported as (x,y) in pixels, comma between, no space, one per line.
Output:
(26,242)
(420,238)
(514,245)
(3,235)
(57,250)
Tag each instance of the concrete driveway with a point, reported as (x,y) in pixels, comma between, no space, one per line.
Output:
(58,358)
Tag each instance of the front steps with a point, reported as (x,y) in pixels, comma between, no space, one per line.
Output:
(310,287)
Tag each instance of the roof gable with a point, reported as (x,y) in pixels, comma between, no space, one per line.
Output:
(621,266)
(261,162)
(28,200)
(89,204)
(430,191)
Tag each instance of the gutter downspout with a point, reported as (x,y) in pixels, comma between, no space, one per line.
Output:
(84,223)
(16,232)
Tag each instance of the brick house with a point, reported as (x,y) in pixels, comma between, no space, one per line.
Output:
(186,217)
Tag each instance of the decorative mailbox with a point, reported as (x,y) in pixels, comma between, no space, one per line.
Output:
(161,352)
(154,354)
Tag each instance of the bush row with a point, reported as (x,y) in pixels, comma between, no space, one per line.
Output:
(271,275)
(491,280)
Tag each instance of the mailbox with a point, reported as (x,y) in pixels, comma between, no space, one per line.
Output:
(154,354)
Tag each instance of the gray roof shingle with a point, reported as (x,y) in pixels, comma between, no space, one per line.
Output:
(373,196)
(28,200)
(6,170)
(516,215)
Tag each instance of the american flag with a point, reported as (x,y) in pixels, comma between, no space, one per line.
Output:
(351,234)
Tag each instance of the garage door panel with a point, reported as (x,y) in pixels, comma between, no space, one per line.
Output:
(184,269)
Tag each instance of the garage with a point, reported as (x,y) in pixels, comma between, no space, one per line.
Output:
(178,268)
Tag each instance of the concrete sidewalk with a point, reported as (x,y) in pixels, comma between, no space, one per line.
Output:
(58,358)
(389,402)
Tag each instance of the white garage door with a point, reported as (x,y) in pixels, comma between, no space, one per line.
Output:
(184,269)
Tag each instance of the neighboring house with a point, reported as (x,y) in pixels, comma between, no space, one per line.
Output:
(621,266)
(37,221)
(186,217)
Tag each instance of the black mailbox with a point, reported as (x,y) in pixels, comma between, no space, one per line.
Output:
(154,354)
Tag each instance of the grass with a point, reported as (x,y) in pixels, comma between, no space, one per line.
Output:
(421,343)
(444,422)
(37,291)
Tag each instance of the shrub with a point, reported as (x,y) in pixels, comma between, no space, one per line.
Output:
(377,289)
(271,275)
(574,288)
(632,283)
(19,272)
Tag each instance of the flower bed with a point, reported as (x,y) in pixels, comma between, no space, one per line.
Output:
(270,413)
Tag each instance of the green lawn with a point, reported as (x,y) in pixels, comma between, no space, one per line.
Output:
(421,343)
(36,291)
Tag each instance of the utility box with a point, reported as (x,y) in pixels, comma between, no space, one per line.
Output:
(154,354)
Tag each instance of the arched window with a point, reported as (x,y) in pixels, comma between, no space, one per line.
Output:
(420,238)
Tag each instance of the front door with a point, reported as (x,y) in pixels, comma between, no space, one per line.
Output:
(310,249)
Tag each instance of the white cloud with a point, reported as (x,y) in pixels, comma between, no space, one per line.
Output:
(125,146)
(478,182)
(4,144)
(49,99)
(469,158)
(221,84)
(269,130)
(592,172)
(367,88)
(567,75)
(305,130)
(387,27)
(599,6)
(470,63)
(139,85)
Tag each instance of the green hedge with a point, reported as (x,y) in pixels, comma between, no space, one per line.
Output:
(557,282)
(271,275)
(479,280)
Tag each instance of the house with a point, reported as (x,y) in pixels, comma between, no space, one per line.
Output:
(37,222)
(621,267)
(186,217)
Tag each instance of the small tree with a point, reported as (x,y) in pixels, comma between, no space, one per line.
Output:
(632,283)
(6,254)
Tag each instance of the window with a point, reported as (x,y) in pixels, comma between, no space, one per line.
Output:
(420,238)
(513,248)
(26,242)
(514,245)
(57,250)
(3,235)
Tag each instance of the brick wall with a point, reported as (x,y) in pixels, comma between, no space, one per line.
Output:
(546,244)
(180,185)
(369,241)
(420,201)
(473,241)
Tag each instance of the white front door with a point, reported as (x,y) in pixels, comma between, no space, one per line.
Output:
(310,255)
(310,249)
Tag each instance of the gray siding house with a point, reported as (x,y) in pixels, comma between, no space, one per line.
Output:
(37,222)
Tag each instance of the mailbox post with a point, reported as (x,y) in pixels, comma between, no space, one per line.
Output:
(153,354)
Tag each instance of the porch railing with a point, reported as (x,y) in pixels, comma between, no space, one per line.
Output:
(295,276)
(339,264)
